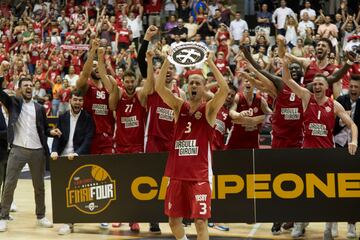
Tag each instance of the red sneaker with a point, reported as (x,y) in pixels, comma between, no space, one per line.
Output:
(134,227)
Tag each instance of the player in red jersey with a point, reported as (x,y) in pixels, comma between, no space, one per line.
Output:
(248,113)
(96,102)
(189,164)
(129,103)
(319,120)
(322,65)
(160,119)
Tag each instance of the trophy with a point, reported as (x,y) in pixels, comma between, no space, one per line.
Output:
(188,54)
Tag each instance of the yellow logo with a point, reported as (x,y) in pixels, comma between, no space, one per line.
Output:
(90,189)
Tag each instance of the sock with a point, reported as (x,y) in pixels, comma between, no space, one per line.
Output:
(183,238)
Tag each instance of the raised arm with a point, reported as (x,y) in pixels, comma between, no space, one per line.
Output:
(304,62)
(341,113)
(148,87)
(81,83)
(150,32)
(213,106)
(301,92)
(167,96)
(337,75)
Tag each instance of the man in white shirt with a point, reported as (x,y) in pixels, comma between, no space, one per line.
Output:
(311,12)
(237,27)
(77,128)
(305,24)
(27,136)
(279,17)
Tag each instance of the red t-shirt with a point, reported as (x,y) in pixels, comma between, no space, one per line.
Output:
(96,102)
(221,65)
(124,35)
(190,157)
(241,137)
(154,6)
(65,95)
(287,118)
(319,122)
(130,122)
(160,120)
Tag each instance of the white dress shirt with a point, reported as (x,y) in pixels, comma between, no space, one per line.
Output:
(309,11)
(25,131)
(69,147)
(237,28)
(281,13)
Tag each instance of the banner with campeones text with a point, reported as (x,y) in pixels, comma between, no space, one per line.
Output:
(248,186)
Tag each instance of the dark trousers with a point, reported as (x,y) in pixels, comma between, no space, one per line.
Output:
(3,162)
(18,157)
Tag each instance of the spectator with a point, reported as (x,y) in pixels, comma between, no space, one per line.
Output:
(329,31)
(264,19)
(280,15)
(179,30)
(170,7)
(310,12)
(38,93)
(237,27)
(192,28)
(184,11)
(304,24)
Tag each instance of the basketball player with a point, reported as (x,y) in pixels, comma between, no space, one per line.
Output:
(96,102)
(189,164)
(319,113)
(129,103)
(248,112)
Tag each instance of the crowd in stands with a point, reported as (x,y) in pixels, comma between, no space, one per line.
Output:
(49,41)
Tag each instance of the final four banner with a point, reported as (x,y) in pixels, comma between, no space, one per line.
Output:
(248,186)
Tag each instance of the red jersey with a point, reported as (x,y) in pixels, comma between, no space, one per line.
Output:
(153,6)
(287,118)
(246,137)
(319,122)
(221,65)
(124,35)
(130,123)
(222,123)
(314,69)
(96,102)
(160,120)
(190,157)
(65,95)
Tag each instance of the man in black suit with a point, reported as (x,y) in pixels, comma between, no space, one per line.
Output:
(77,129)
(351,103)
(27,135)
(3,145)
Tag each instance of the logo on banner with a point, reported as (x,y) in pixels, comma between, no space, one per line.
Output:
(188,54)
(90,189)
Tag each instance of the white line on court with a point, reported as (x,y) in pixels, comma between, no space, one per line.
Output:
(254,229)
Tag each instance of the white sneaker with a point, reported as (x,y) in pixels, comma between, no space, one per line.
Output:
(334,230)
(298,230)
(351,232)
(65,229)
(44,222)
(104,225)
(13,207)
(3,225)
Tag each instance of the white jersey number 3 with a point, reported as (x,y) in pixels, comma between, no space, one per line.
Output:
(203,208)
(188,127)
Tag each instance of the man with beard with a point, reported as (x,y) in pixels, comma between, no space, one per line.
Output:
(27,134)
(322,65)
(189,163)
(77,128)
(319,112)
(96,102)
(129,103)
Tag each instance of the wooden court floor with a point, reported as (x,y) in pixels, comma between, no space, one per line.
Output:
(24,225)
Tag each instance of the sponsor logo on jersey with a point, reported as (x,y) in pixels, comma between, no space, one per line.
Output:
(220,126)
(90,189)
(130,122)
(318,129)
(290,113)
(165,114)
(328,109)
(198,115)
(187,147)
(201,197)
(100,109)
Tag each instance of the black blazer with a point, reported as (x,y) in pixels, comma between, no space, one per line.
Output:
(346,103)
(14,105)
(83,134)
(3,136)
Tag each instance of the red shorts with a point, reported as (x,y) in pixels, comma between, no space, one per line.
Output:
(129,149)
(285,143)
(188,199)
(156,144)
(102,143)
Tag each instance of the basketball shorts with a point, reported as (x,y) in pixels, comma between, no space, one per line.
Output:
(188,199)
(285,143)
(102,143)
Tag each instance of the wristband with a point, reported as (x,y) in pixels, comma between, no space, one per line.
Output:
(348,62)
